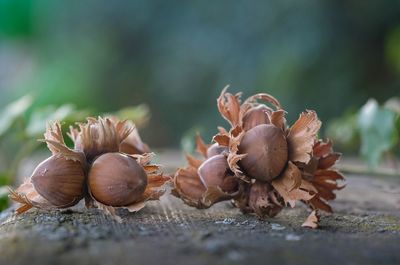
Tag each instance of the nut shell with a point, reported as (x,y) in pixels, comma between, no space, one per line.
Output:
(215,172)
(267,152)
(117,180)
(255,116)
(60,181)
(216,149)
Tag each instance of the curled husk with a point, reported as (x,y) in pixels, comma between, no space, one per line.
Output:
(205,181)
(97,140)
(104,136)
(57,182)
(275,165)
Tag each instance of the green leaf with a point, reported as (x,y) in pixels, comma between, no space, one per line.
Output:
(139,114)
(40,118)
(344,131)
(5,178)
(188,142)
(393,104)
(377,130)
(13,111)
(3,198)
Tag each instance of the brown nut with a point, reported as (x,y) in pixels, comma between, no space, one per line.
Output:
(60,181)
(267,152)
(216,149)
(255,116)
(215,172)
(117,180)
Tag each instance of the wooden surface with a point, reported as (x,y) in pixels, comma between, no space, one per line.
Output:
(365,229)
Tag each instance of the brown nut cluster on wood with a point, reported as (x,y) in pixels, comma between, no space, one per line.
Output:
(109,166)
(261,163)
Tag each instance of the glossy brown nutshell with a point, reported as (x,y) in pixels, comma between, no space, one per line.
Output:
(95,170)
(269,164)
(215,172)
(266,152)
(255,116)
(117,180)
(60,181)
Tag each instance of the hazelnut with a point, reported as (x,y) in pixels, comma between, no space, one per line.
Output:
(60,181)
(215,172)
(116,179)
(267,153)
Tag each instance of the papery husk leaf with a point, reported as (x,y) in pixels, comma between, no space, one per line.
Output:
(222,130)
(264,97)
(135,207)
(289,185)
(317,203)
(188,187)
(328,175)
(56,144)
(133,143)
(151,168)
(201,147)
(325,181)
(155,187)
(222,139)
(264,200)
(229,107)
(144,159)
(194,162)
(241,201)
(322,178)
(322,149)
(301,137)
(109,210)
(214,195)
(101,135)
(278,119)
(29,198)
(328,160)
(312,220)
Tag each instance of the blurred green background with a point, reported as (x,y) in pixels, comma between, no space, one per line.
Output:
(176,56)
(70,59)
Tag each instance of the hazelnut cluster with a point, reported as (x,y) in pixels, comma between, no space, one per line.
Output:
(261,163)
(109,166)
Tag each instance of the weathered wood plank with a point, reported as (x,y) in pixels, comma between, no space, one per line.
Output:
(364,230)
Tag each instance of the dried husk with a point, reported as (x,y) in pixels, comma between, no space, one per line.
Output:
(302,173)
(322,176)
(30,197)
(264,200)
(100,136)
(92,139)
(206,181)
(312,220)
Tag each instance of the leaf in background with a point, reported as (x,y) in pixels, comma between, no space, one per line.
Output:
(344,132)
(5,178)
(188,143)
(378,131)
(3,198)
(40,118)
(139,114)
(13,111)
(393,104)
